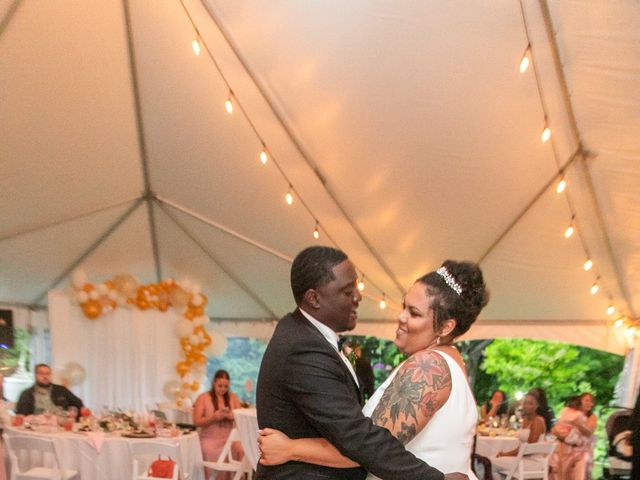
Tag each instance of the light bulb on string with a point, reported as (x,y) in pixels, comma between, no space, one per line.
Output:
(228,105)
(316,232)
(630,332)
(361,283)
(570,229)
(611,310)
(619,322)
(595,287)
(263,156)
(289,197)
(524,63)
(587,265)
(562,184)
(195,46)
(383,303)
(546,134)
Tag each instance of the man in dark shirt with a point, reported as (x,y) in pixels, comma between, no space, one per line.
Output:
(45,395)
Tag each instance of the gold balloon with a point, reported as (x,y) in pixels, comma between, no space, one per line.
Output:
(92,309)
(195,385)
(125,284)
(179,298)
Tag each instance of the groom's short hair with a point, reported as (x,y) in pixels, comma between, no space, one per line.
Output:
(312,268)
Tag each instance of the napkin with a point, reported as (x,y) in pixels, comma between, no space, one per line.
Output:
(95,439)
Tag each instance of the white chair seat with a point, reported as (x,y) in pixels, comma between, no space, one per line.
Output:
(532,462)
(143,453)
(44,472)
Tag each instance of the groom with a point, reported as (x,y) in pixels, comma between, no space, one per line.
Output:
(307,389)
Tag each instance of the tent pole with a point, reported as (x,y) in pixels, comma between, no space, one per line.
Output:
(223,267)
(89,250)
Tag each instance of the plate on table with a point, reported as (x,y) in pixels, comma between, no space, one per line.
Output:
(138,435)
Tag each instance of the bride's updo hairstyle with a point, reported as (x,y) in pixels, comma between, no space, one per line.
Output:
(458,291)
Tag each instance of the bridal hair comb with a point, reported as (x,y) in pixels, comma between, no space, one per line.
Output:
(449,280)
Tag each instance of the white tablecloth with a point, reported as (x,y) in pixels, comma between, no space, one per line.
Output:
(247,425)
(113,461)
(490,446)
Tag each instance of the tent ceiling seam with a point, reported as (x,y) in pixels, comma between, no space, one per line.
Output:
(225,229)
(89,250)
(220,265)
(11,11)
(66,220)
(564,88)
(305,155)
(153,232)
(527,207)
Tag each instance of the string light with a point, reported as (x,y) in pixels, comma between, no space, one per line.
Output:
(264,157)
(361,283)
(587,265)
(562,184)
(289,197)
(595,287)
(228,105)
(383,303)
(316,232)
(619,322)
(546,134)
(570,229)
(524,63)
(630,331)
(611,310)
(195,45)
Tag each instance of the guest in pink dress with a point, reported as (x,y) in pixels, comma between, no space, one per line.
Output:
(213,414)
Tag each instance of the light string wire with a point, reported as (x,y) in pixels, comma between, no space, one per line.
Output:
(562,171)
(236,102)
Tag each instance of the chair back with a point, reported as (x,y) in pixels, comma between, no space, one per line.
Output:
(39,451)
(144,452)
(226,454)
(533,461)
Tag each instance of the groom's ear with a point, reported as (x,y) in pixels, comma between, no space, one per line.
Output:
(311,298)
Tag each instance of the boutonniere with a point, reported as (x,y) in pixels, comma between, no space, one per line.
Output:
(352,357)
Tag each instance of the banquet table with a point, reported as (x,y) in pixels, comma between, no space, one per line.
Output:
(110,458)
(247,425)
(489,446)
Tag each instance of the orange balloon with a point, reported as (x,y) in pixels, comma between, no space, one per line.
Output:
(199,329)
(195,385)
(87,287)
(109,284)
(200,358)
(92,309)
(184,341)
(153,289)
(189,315)
(197,311)
(142,303)
(179,402)
(182,368)
(204,300)
(206,341)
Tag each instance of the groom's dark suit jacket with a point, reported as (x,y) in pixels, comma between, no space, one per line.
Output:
(305,390)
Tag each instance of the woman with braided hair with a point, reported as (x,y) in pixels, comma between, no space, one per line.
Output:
(426,402)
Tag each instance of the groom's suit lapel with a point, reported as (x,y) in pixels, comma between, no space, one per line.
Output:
(323,341)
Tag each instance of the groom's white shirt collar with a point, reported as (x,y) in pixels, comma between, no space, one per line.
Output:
(331,337)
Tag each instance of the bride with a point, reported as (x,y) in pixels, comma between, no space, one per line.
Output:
(426,402)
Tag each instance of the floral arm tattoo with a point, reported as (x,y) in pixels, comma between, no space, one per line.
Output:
(419,389)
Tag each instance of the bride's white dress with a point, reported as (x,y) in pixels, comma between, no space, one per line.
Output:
(446,442)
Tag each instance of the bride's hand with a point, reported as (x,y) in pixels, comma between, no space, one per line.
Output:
(275,447)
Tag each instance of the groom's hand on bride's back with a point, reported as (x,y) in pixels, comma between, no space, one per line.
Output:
(455,476)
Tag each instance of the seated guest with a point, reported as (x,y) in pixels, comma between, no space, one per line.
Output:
(213,415)
(497,405)
(45,396)
(544,410)
(533,426)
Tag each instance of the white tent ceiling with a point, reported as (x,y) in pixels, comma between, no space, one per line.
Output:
(405,127)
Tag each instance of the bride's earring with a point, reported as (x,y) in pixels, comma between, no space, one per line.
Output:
(438,340)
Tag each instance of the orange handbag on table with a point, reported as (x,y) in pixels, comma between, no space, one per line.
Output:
(161,468)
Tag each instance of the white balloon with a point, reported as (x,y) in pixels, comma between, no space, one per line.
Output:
(94,295)
(79,278)
(113,295)
(218,344)
(83,296)
(195,339)
(171,389)
(74,372)
(197,299)
(184,328)
(102,289)
(196,289)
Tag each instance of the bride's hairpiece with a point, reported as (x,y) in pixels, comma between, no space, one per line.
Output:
(449,280)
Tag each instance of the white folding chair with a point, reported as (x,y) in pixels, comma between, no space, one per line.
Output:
(144,452)
(42,459)
(226,462)
(532,462)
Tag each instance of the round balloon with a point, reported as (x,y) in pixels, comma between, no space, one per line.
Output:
(75,373)
(184,328)
(218,344)
(171,389)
